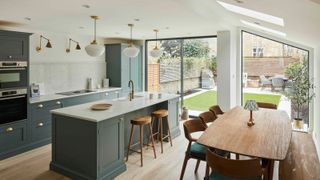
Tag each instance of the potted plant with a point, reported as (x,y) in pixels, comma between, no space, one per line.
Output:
(300,90)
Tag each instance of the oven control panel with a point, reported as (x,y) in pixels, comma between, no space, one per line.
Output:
(8,64)
(13,92)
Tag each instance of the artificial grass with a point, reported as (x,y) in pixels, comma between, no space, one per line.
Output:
(203,101)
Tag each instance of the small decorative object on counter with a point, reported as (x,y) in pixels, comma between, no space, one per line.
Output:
(251,105)
(185,114)
(89,84)
(98,86)
(159,96)
(35,90)
(101,107)
(105,83)
(151,96)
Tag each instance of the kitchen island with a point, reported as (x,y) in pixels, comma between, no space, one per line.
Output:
(89,144)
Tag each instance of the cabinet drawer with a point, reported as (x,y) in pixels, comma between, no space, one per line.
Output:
(12,135)
(82,99)
(41,130)
(43,109)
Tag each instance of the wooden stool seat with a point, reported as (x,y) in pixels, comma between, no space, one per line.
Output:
(141,120)
(160,113)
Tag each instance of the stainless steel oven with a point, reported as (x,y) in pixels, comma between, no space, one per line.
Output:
(13,74)
(13,105)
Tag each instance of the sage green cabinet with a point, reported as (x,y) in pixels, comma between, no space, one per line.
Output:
(12,135)
(118,68)
(14,45)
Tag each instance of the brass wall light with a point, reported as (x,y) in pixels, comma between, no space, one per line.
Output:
(48,45)
(77,47)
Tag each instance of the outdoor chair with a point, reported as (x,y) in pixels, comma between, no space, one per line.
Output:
(277,83)
(264,81)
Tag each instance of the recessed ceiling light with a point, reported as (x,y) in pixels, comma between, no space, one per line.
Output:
(86,6)
(238,1)
(253,14)
(81,27)
(117,33)
(27,18)
(256,22)
(136,19)
(263,28)
(167,28)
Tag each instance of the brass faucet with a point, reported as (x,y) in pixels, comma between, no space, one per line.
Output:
(131,94)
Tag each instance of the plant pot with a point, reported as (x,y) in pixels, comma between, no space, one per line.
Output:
(298,123)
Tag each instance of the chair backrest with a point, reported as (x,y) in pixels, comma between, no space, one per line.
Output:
(279,82)
(267,105)
(191,126)
(216,109)
(263,78)
(234,168)
(207,117)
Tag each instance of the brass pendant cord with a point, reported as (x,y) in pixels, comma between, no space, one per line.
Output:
(95,29)
(156,39)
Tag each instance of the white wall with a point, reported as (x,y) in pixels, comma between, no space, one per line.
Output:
(226,62)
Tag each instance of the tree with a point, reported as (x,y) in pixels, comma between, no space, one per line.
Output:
(299,93)
(196,48)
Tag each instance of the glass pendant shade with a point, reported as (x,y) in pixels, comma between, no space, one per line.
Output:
(131,51)
(94,49)
(156,52)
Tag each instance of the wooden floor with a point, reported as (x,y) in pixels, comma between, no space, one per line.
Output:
(35,165)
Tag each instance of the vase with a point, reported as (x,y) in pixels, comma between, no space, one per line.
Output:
(298,123)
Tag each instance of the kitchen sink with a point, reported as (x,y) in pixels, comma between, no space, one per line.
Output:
(70,93)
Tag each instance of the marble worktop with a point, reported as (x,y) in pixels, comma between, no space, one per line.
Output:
(50,97)
(119,106)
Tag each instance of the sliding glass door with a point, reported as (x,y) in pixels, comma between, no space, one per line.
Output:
(187,67)
(270,70)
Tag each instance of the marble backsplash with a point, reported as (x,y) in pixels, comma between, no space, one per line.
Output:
(66,76)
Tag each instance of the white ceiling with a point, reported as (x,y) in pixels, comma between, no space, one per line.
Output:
(183,17)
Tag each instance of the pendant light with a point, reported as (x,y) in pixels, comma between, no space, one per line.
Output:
(156,52)
(94,49)
(131,51)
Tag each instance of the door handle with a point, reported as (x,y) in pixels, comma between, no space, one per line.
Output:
(40,124)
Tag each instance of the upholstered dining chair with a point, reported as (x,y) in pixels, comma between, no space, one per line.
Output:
(216,110)
(207,118)
(267,105)
(277,82)
(230,169)
(194,150)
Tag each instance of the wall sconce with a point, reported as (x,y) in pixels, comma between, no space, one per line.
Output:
(77,47)
(48,45)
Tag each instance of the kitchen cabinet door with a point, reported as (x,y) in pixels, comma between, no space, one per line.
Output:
(14,45)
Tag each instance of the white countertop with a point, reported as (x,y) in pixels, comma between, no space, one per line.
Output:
(51,97)
(119,107)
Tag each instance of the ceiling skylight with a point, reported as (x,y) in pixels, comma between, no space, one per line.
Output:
(263,28)
(253,14)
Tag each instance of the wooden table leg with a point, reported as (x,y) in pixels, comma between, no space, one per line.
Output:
(270,169)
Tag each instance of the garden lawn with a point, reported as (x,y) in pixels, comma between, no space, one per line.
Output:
(203,101)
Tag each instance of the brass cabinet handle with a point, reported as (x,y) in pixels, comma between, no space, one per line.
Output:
(107,94)
(40,124)
(10,57)
(58,102)
(9,129)
(40,106)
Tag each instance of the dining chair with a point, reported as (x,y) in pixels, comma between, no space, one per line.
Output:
(277,82)
(194,150)
(216,110)
(230,169)
(267,105)
(264,81)
(207,117)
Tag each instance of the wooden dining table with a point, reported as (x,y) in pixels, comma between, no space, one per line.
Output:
(268,139)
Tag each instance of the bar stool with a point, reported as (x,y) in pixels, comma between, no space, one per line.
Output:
(159,115)
(140,121)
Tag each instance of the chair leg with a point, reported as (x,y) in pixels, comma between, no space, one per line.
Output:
(130,139)
(150,135)
(161,134)
(207,172)
(197,166)
(159,124)
(152,140)
(185,161)
(141,144)
(237,156)
(169,131)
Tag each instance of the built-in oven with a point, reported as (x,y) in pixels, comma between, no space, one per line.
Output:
(13,105)
(13,74)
